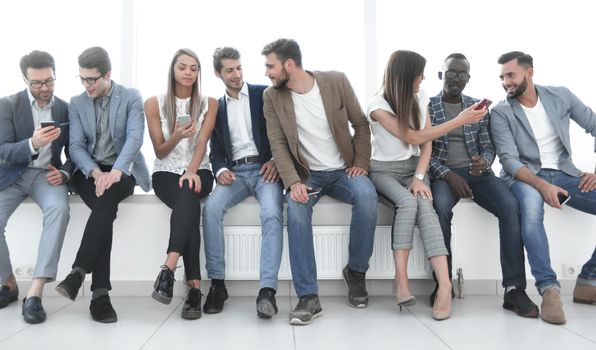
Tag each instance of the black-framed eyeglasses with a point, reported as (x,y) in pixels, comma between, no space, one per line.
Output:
(460,75)
(90,81)
(38,84)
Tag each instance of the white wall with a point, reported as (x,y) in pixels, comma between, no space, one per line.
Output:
(352,36)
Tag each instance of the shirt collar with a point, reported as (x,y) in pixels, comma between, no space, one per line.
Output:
(33,102)
(243,91)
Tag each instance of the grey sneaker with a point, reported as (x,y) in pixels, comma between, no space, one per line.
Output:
(307,309)
(357,294)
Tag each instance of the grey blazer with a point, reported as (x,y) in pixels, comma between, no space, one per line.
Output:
(515,141)
(16,128)
(126,121)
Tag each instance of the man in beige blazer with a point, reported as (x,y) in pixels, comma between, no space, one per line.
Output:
(309,115)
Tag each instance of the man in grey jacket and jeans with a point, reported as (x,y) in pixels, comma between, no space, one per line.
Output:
(531,132)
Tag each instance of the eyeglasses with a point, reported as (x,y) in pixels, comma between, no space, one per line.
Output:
(37,84)
(460,75)
(90,81)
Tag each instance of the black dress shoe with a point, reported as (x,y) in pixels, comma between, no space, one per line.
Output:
(102,310)
(163,288)
(266,305)
(191,310)
(7,296)
(518,301)
(433,295)
(215,300)
(33,311)
(71,285)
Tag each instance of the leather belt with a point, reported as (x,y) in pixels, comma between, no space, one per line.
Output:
(245,160)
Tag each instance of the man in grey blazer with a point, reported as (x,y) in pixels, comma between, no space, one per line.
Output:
(31,165)
(106,134)
(531,132)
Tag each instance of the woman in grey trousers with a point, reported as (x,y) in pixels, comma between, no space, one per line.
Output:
(401,151)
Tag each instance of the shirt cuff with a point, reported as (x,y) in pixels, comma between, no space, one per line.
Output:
(220,171)
(65,174)
(33,151)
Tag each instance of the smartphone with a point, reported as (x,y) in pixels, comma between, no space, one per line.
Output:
(48,123)
(562,198)
(485,102)
(314,191)
(183,119)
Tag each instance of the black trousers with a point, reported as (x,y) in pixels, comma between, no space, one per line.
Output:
(96,244)
(185,234)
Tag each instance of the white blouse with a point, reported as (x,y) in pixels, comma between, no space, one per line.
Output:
(385,146)
(178,159)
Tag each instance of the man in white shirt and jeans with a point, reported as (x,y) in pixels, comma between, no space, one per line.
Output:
(531,132)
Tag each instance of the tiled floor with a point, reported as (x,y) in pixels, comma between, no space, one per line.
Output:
(478,322)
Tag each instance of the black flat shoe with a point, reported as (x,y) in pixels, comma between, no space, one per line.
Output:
(33,311)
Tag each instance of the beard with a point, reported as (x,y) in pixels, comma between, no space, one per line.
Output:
(518,90)
(283,79)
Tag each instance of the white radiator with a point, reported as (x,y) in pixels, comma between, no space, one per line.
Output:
(243,248)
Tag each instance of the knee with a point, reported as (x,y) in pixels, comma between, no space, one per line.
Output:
(213,209)
(407,202)
(59,208)
(366,195)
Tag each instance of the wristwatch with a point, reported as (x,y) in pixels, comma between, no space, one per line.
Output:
(419,176)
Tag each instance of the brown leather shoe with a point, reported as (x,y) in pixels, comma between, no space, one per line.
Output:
(552,307)
(585,294)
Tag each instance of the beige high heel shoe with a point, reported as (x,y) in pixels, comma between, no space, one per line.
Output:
(441,315)
(403,301)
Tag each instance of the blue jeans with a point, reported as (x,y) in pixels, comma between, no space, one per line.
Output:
(248,182)
(585,202)
(492,194)
(532,223)
(357,191)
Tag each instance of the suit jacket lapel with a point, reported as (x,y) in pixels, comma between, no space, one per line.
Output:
(519,113)
(327,98)
(550,107)
(24,116)
(254,118)
(114,104)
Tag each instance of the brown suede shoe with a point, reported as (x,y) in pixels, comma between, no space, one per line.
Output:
(552,307)
(585,294)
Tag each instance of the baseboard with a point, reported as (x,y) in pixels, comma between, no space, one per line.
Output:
(379,287)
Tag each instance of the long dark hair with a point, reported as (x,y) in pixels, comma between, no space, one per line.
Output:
(398,86)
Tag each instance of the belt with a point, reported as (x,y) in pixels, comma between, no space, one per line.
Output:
(246,160)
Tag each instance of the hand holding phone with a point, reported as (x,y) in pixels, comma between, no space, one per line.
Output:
(485,102)
(562,198)
(48,123)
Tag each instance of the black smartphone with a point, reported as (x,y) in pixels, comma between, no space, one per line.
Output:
(314,191)
(562,198)
(48,123)
(485,102)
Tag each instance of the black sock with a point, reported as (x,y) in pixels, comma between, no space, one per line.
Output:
(99,293)
(218,283)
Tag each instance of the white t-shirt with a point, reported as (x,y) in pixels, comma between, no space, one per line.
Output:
(549,144)
(316,141)
(385,146)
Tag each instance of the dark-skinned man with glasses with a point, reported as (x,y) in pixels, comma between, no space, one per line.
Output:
(460,168)
(33,135)
(107,126)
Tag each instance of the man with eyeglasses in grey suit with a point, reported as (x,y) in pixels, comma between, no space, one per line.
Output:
(33,134)
(106,134)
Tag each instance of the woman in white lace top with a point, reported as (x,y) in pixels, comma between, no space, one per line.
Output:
(180,124)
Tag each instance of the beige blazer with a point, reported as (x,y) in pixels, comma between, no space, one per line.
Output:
(341,106)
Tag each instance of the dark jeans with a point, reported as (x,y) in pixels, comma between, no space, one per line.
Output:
(96,244)
(492,194)
(185,234)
